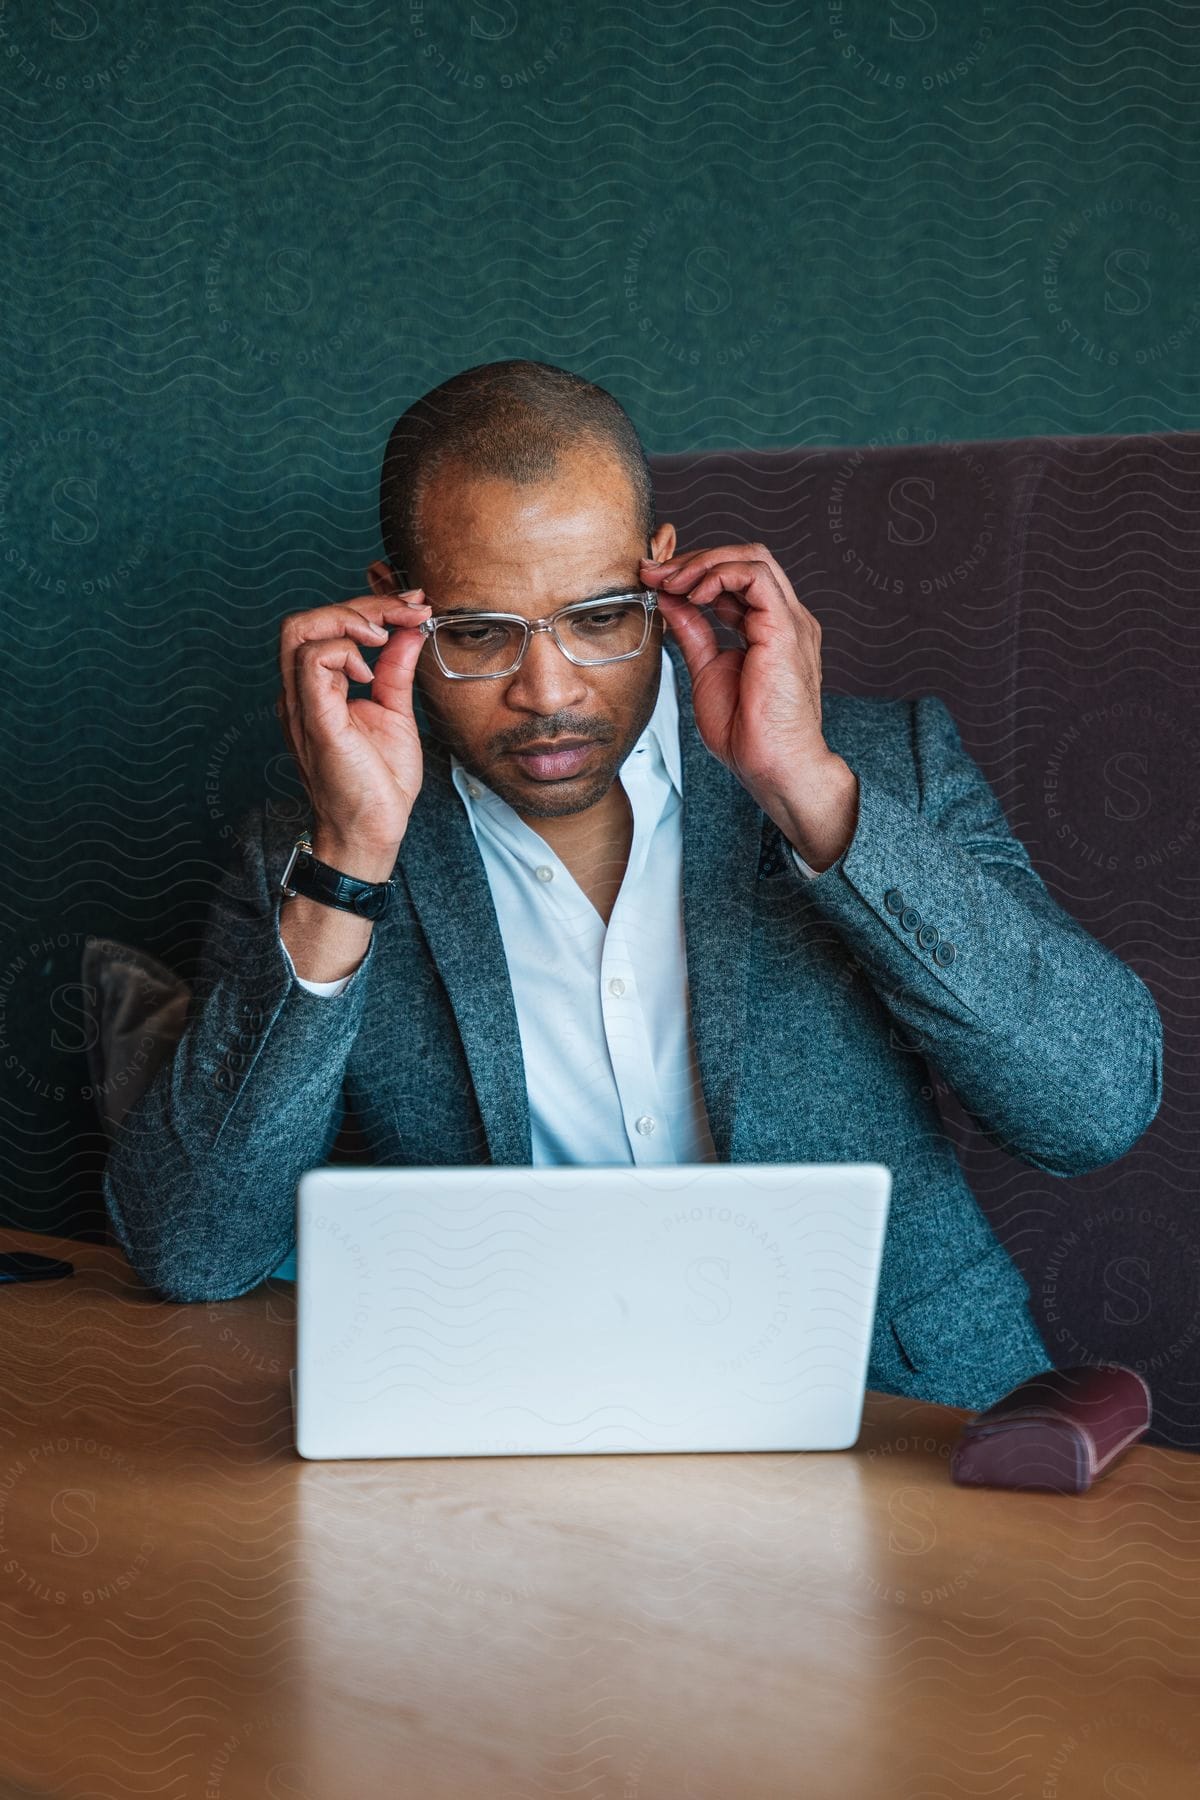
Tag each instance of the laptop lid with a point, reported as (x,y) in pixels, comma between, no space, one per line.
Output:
(491,1311)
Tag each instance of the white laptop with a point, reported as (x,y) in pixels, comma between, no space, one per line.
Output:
(512,1311)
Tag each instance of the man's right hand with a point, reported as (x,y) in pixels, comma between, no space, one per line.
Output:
(360,760)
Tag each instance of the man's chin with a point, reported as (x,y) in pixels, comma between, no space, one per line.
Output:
(554,799)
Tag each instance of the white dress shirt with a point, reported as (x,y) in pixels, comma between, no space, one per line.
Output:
(605,1024)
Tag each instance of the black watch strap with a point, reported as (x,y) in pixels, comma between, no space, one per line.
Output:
(307,875)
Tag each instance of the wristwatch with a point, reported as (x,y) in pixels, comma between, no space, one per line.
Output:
(307,875)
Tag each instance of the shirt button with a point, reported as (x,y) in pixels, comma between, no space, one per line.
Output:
(472,790)
(645,1124)
(545,873)
(616,986)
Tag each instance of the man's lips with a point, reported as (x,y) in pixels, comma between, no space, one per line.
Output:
(554,764)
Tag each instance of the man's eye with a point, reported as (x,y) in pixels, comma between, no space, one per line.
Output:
(472,634)
(607,618)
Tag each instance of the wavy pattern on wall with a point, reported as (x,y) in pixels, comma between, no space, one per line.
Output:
(238,240)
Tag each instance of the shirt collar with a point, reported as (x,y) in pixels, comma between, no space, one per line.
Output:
(660,738)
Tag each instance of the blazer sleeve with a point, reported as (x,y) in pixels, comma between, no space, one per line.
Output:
(201,1179)
(1052,1043)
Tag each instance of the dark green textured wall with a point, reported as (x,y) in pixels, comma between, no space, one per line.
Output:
(239,239)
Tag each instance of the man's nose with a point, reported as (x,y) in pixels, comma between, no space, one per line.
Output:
(547,681)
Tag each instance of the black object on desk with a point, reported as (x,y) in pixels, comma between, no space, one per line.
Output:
(27,1265)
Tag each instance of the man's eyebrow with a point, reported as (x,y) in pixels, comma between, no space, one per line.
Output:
(608,593)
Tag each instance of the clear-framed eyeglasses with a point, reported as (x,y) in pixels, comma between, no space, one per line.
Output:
(482,646)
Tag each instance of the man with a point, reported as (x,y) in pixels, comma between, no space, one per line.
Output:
(730,924)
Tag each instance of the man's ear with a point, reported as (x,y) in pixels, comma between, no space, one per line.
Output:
(382,578)
(662,544)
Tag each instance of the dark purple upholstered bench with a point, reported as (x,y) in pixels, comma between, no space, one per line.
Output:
(1048,590)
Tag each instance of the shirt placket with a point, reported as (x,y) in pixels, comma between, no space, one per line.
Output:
(629,1044)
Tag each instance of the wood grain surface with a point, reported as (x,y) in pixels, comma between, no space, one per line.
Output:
(190,1609)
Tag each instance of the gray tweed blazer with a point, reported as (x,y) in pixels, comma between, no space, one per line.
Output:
(818,1006)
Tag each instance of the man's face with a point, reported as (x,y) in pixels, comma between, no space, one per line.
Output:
(497,547)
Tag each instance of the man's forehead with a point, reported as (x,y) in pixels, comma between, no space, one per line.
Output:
(569,568)
(463,522)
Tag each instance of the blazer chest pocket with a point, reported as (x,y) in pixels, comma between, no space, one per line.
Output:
(984,1302)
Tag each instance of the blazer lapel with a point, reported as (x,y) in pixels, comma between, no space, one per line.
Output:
(722,843)
(450,892)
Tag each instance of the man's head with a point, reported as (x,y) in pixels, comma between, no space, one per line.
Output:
(517,487)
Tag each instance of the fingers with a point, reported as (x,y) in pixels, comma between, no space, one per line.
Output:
(699,560)
(749,570)
(323,672)
(693,631)
(395,667)
(285,723)
(730,609)
(734,576)
(702,583)
(364,620)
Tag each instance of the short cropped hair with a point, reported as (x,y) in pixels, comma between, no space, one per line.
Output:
(511,420)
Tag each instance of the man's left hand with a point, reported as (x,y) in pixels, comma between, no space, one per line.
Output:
(758,709)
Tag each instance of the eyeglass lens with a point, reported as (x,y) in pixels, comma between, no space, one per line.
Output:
(593,634)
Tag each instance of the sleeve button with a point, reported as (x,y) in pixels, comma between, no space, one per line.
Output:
(945,953)
(894,900)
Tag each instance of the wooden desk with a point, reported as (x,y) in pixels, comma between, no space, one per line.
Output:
(189,1609)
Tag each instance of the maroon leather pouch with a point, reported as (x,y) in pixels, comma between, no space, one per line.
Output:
(1059,1430)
